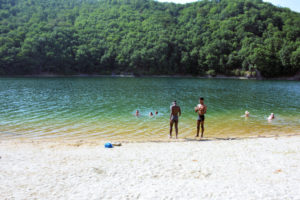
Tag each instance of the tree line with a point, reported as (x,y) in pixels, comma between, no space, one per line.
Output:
(146,37)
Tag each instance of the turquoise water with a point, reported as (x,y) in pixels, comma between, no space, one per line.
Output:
(103,108)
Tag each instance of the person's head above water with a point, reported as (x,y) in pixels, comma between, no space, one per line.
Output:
(156,112)
(150,114)
(247,113)
(272,116)
(201,100)
(137,112)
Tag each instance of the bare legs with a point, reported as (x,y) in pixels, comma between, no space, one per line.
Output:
(198,128)
(176,128)
(202,128)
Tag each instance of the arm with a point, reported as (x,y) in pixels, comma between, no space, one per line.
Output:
(179,111)
(205,108)
(196,108)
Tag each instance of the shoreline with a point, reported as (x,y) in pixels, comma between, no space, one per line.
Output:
(292,78)
(87,141)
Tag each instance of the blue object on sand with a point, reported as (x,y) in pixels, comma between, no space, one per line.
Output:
(108,145)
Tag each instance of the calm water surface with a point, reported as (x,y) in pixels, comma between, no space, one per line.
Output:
(103,108)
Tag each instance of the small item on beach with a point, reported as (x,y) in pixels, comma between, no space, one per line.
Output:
(117,144)
(278,171)
(108,145)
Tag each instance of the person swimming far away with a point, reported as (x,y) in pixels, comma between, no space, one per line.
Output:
(201,109)
(271,117)
(174,118)
(137,113)
(247,114)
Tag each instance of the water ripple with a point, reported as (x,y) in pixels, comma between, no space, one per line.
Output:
(101,108)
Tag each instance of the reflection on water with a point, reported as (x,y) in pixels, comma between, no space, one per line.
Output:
(104,108)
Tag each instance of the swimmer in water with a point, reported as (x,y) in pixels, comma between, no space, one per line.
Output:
(247,114)
(156,112)
(151,114)
(137,113)
(271,117)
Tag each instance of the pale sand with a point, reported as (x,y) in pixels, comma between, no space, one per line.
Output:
(262,168)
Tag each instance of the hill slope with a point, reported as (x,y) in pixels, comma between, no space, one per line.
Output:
(148,37)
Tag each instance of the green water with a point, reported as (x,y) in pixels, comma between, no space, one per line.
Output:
(103,108)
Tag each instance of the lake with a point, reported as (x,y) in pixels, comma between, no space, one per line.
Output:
(104,108)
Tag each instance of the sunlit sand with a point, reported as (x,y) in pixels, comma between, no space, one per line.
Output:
(214,168)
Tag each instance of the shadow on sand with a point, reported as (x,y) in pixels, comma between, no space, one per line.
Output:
(236,138)
(214,139)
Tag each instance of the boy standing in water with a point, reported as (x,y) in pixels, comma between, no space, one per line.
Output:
(201,109)
(175,113)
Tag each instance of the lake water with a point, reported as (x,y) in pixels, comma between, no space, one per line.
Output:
(103,108)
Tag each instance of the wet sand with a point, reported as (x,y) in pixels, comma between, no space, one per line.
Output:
(229,168)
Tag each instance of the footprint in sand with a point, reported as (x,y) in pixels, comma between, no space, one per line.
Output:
(98,171)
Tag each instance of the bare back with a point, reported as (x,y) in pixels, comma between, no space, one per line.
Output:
(175,110)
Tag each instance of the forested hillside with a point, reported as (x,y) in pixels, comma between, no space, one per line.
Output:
(148,37)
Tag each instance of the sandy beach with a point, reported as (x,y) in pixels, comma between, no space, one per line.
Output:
(261,168)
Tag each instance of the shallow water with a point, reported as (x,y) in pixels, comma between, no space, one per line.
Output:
(103,108)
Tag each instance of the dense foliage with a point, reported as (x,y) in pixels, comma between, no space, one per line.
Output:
(148,37)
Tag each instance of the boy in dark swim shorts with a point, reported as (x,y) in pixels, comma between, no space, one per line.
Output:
(201,110)
(201,118)
(175,113)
